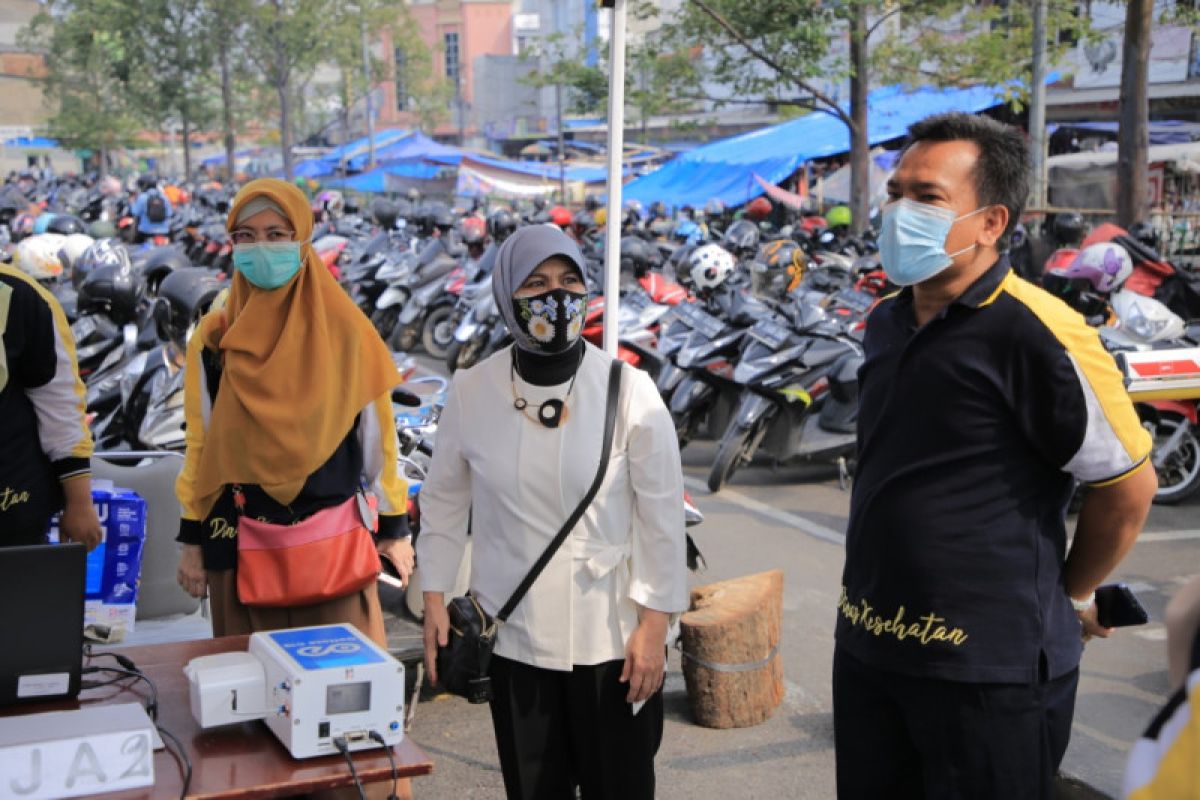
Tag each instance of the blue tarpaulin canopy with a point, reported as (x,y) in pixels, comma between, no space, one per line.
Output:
(725,170)
(31,142)
(360,146)
(547,170)
(376,179)
(314,168)
(411,148)
(219,158)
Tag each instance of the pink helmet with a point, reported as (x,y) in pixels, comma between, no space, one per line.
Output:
(1106,266)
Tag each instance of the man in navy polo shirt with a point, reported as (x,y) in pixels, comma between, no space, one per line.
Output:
(983,399)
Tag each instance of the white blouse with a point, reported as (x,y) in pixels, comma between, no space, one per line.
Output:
(518,481)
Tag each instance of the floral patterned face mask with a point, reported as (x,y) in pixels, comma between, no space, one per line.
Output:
(553,320)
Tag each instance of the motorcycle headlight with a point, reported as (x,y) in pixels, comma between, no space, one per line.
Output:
(1142,326)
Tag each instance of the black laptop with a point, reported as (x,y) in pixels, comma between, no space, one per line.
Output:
(41,621)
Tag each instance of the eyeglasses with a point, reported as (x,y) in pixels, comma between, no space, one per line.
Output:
(251,236)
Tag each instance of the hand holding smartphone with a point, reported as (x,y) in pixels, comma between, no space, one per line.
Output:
(1118,607)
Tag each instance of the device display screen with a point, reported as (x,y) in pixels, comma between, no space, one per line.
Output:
(347,698)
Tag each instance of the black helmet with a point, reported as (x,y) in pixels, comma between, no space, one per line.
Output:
(742,238)
(1069,229)
(501,224)
(385,213)
(146,182)
(66,224)
(1144,232)
(638,256)
(350,205)
(112,290)
(591,203)
(582,222)
(161,262)
(101,229)
(780,263)
(182,298)
(102,253)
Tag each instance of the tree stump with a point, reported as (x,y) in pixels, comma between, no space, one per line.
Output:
(731,663)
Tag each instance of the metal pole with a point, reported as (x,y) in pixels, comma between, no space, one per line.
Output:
(562,149)
(616,152)
(1037,104)
(366,54)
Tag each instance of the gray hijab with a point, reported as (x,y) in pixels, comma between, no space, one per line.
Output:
(516,260)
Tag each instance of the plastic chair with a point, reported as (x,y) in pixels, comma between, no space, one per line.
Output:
(159,595)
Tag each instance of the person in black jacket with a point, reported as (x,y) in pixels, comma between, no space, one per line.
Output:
(45,460)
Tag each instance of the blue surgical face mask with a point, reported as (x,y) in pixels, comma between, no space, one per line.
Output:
(912,243)
(267,265)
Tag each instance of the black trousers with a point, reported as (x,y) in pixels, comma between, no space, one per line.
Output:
(902,737)
(558,730)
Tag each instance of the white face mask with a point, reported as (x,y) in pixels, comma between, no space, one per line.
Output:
(912,242)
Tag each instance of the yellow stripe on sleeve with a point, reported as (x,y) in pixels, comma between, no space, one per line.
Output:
(1094,364)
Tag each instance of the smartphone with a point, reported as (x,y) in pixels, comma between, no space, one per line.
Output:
(390,575)
(1117,607)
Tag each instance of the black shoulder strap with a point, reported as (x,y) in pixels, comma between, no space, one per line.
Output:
(211,362)
(610,423)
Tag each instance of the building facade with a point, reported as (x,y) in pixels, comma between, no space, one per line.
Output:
(458,33)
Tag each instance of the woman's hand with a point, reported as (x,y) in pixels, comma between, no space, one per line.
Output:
(191,574)
(400,553)
(437,631)
(645,656)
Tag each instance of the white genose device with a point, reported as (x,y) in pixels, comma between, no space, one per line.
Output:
(311,686)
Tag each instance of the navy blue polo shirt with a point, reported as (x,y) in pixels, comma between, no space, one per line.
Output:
(971,430)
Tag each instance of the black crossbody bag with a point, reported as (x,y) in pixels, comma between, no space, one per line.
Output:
(463,663)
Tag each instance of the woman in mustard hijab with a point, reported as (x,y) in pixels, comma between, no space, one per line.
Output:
(289,429)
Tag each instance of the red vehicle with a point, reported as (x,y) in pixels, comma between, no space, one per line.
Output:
(641,311)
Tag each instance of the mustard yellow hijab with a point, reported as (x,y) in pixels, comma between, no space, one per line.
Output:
(299,364)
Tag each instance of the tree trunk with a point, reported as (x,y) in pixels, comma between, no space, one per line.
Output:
(228,134)
(347,92)
(187,150)
(285,128)
(732,665)
(1134,142)
(860,148)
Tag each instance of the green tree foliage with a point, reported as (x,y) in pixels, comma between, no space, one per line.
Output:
(785,52)
(284,42)
(174,82)
(560,60)
(117,67)
(87,77)
(945,44)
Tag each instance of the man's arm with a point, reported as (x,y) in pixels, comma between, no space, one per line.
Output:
(1109,523)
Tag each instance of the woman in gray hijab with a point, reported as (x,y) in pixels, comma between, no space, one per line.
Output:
(578,667)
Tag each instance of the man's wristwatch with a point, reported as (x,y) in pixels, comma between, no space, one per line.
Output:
(1081,606)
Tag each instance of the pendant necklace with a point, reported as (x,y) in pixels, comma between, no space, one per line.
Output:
(553,412)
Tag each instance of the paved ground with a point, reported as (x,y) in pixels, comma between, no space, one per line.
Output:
(793,519)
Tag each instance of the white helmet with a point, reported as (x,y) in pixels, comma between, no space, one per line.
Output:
(109,186)
(73,248)
(37,256)
(710,265)
(1105,265)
